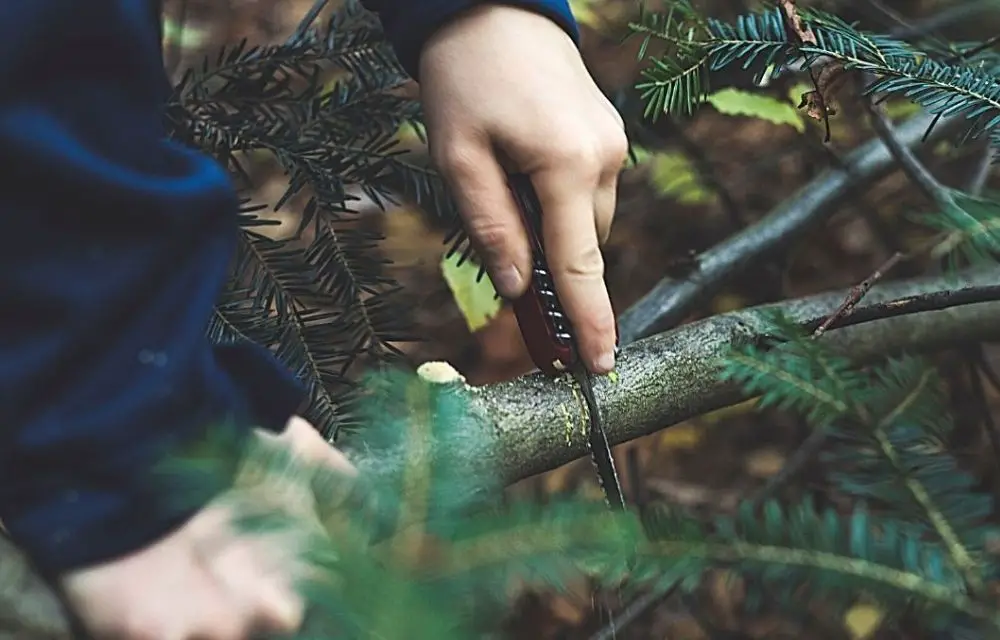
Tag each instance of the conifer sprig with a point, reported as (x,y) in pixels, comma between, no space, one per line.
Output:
(756,41)
(942,81)
(801,552)
(889,428)
(322,105)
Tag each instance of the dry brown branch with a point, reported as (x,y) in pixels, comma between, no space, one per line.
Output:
(828,75)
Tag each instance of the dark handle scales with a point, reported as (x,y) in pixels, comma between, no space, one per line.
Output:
(547,332)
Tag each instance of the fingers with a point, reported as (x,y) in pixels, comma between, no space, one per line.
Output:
(257,574)
(161,593)
(488,210)
(211,578)
(306,442)
(578,197)
(573,251)
(605,200)
(276,608)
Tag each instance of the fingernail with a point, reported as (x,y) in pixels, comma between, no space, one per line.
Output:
(605,363)
(507,281)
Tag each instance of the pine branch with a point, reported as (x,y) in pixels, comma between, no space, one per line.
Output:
(824,553)
(848,314)
(895,411)
(970,223)
(321,103)
(759,40)
(259,303)
(964,560)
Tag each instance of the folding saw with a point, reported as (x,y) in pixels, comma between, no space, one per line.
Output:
(548,333)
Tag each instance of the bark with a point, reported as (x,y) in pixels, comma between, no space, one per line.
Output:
(665,379)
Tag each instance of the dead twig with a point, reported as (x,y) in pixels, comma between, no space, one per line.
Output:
(671,300)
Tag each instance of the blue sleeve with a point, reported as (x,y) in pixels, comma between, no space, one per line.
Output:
(116,245)
(409,23)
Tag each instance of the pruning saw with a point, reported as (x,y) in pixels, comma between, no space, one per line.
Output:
(551,340)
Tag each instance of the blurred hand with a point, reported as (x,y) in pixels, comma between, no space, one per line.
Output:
(506,88)
(204,581)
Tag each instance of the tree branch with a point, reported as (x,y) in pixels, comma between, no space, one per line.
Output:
(671,300)
(671,377)
(539,424)
(915,170)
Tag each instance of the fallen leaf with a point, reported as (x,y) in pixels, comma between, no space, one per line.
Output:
(863,620)
(681,436)
(764,463)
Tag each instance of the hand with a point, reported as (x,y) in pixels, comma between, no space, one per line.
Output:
(504,87)
(203,581)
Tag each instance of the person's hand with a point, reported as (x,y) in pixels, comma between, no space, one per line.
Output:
(204,581)
(506,87)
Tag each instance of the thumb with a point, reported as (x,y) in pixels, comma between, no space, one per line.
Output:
(489,213)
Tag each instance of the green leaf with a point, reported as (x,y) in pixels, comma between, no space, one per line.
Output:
(475,296)
(673,176)
(734,102)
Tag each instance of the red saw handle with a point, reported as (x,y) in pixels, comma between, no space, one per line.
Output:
(547,332)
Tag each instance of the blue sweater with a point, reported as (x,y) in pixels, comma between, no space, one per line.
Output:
(117,244)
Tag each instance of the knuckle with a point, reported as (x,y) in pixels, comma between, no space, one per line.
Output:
(490,234)
(616,147)
(583,154)
(594,153)
(587,263)
(454,159)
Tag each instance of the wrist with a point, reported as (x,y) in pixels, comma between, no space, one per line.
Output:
(414,23)
(506,22)
(493,15)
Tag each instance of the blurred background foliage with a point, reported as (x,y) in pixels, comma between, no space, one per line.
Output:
(693,182)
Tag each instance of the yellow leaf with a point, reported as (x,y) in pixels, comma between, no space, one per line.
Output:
(681,436)
(863,620)
(795,93)
(476,300)
(410,132)
(764,463)
(673,176)
(735,102)
(583,12)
